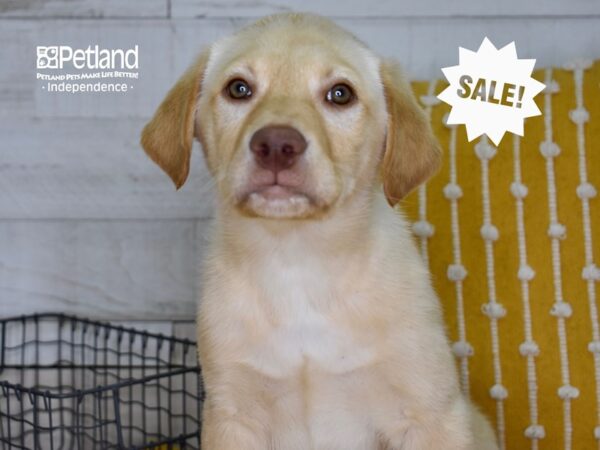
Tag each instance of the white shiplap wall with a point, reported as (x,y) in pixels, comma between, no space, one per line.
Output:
(89,225)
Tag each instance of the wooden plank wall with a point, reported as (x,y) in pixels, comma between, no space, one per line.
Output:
(89,225)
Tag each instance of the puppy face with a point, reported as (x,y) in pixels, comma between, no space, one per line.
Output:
(294,116)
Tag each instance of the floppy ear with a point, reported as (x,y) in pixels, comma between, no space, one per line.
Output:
(412,153)
(168,137)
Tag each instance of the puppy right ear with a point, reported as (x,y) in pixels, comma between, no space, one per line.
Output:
(168,137)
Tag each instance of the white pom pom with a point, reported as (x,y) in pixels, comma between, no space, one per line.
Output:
(529,348)
(591,272)
(452,191)
(549,149)
(597,433)
(579,115)
(484,150)
(518,190)
(586,190)
(489,232)
(561,309)
(557,231)
(526,273)
(423,229)
(594,347)
(430,100)
(462,349)
(498,392)
(568,392)
(493,310)
(579,63)
(535,432)
(456,272)
(445,121)
(552,88)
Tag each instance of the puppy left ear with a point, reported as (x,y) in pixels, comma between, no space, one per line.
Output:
(168,137)
(412,153)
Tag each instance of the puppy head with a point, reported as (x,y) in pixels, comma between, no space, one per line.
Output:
(295,116)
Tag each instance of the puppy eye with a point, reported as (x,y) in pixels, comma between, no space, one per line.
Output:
(340,94)
(238,89)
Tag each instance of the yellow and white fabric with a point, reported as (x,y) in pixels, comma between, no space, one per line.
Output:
(512,237)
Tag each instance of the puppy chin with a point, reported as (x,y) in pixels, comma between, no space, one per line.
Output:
(277,202)
(293,207)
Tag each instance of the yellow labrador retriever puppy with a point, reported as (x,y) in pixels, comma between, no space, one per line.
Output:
(318,325)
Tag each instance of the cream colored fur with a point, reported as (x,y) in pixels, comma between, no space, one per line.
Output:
(318,325)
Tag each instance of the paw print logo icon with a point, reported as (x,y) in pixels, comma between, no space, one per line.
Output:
(47,57)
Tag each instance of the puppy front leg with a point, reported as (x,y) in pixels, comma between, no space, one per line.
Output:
(432,431)
(224,431)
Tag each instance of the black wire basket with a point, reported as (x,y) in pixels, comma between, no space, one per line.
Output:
(76,384)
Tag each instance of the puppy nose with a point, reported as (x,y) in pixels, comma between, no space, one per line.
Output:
(277,147)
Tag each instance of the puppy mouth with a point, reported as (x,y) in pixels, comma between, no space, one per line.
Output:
(277,199)
(278,187)
(278,191)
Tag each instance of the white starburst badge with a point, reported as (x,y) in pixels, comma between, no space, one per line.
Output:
(491,91)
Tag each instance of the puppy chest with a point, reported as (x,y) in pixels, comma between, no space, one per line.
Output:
(309,338)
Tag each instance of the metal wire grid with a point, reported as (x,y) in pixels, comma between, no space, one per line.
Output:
(77,384)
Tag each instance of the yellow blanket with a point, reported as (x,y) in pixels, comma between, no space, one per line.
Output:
(514,250)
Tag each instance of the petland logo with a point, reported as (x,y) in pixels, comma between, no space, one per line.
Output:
(65,69)
(92,58)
